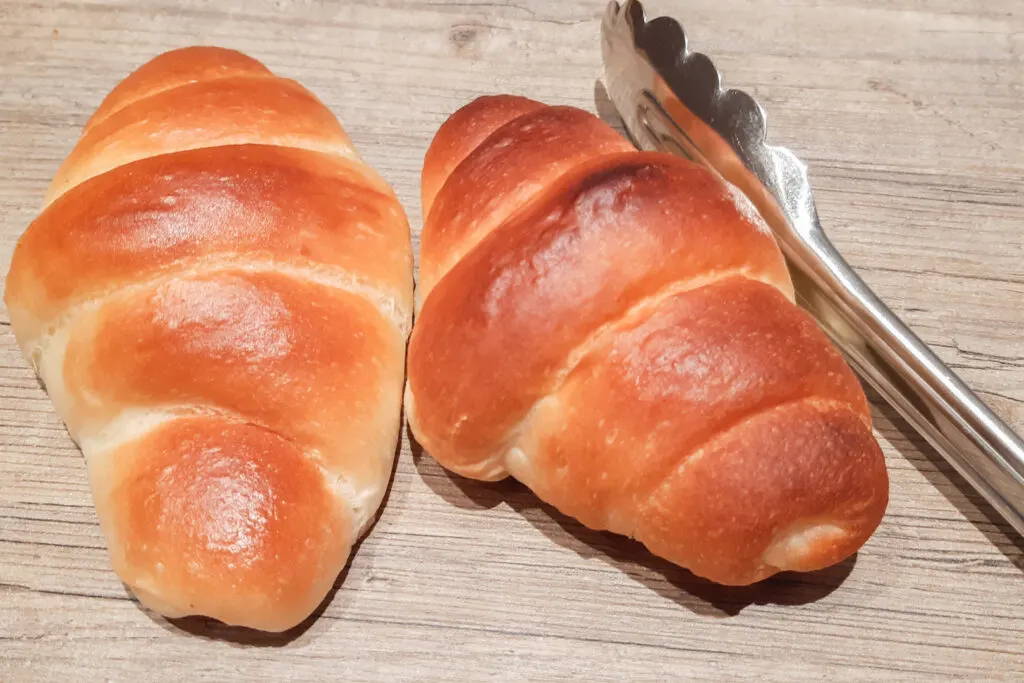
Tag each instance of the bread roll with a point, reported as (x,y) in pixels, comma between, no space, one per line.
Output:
(217,295)
(616,330)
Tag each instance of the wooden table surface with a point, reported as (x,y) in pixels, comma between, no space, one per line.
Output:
(911,115)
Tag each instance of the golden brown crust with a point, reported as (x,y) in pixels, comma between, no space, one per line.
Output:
(207,341)
(622,338)
(228,518)
(173,69)
(216,297)
(655,392)
(462,133)
(797,488)
(286,206)
(227,111)
(594,244)
(510,167)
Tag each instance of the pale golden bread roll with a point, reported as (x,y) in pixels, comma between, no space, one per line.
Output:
(217,297)
(616,329)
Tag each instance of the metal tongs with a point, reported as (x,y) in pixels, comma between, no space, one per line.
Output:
(671,99)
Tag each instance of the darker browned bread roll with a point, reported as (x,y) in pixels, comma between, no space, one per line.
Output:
(616,329)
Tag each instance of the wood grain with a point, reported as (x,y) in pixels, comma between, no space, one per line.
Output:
(911,114)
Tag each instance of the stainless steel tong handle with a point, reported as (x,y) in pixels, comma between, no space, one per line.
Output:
(923,389)
(724,130)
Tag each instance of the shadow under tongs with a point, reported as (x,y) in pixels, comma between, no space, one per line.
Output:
(606,111)
(940,474)
(668,580)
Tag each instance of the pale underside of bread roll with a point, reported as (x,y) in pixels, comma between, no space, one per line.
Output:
(616,329)
(216,297)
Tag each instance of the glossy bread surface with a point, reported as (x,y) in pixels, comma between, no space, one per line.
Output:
(217,296)
(616,330)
